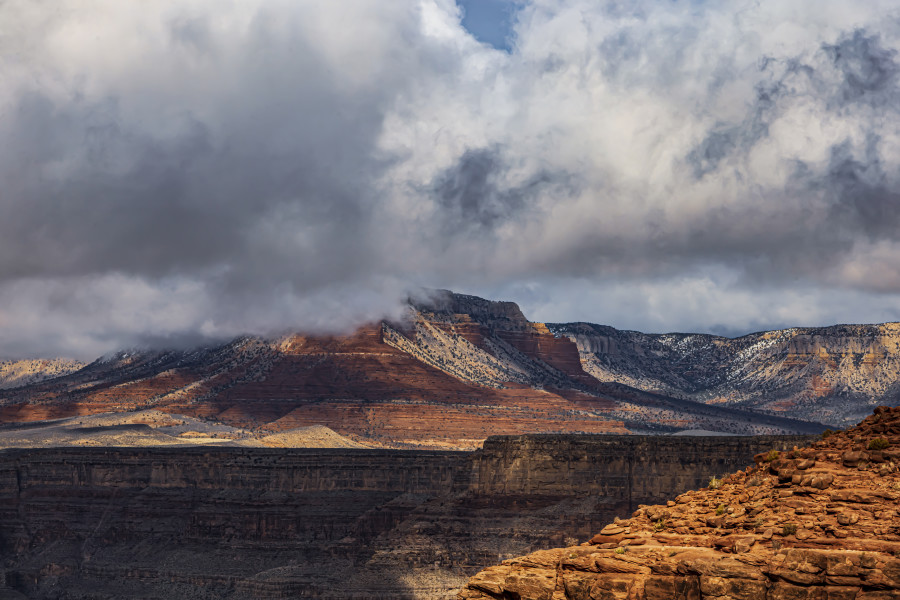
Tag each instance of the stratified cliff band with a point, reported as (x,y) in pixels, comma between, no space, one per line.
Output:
(374,524)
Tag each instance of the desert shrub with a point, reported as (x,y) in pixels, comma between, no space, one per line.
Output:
(827,434)
(772,455)
(715,483)
(878,444)
(720,510)
(620,550)
(789,529)
(659,525)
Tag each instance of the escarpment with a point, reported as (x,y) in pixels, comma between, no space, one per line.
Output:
(815,522)
(231,522)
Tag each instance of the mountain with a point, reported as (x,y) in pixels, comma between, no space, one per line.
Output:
(832,375)
(814,522)
(459,368)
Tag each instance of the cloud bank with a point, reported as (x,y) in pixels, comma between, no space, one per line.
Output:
(174,172)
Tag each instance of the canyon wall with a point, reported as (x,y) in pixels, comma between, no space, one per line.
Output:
(260,523)
(815,523)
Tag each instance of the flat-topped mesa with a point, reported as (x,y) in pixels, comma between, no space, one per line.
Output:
(819,522)
(454,307)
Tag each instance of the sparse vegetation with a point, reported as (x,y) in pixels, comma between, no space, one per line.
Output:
(827,434)
(772,455)
(659,525)
(715,483)
(720,510)
(789,529)
(621,550)
(878,444)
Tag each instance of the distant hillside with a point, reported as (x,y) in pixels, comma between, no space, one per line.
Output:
(458,369)
(833,375)
(16,373)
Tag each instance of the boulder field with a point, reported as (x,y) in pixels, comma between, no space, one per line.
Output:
(815,523)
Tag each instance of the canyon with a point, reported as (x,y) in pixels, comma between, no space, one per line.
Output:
(231,522)
(816,522)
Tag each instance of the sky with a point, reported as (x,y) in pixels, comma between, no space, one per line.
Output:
(184,171)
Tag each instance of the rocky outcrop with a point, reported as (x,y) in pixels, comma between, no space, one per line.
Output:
(819,521)
(263,523)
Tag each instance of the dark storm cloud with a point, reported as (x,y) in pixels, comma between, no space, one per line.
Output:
(869,69)
(191,171)
(863,195)
(474,195)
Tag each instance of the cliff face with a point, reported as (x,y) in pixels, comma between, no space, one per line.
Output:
(260,523)
(817,522)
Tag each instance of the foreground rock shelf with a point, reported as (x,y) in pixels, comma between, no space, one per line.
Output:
(819,522)
(265,523)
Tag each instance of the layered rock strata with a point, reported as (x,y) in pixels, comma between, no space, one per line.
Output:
(264,523)
(458,371)
(818,522)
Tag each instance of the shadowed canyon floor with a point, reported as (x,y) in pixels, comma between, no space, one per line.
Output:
(241,523)
(818,522)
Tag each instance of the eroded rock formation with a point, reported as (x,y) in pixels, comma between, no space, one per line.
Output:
(818,522)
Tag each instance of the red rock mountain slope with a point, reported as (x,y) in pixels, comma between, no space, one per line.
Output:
(821,523)
(459,369)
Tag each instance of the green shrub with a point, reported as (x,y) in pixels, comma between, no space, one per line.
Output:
(659,525)
(878,444)
(772,455)
(720,510)
(715,483)
(620,550)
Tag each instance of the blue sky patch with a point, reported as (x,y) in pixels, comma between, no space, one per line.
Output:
(489,21)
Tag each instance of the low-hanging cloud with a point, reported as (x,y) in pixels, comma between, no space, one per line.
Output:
(176,172)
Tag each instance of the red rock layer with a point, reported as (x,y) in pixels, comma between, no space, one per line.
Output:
(816,523)
(357,385)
